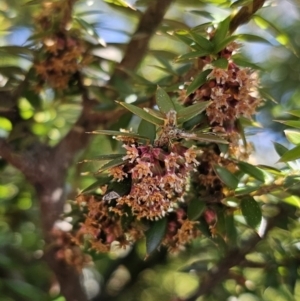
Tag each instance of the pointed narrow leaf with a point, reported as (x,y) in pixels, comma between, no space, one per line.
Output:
(117,133)
(294,112)
(240,3)
(155,235)
(155,113)
(163,100)
(111,164)
(195,208)
(204,43)
(199,80)
(291,155)
(251,211)
(103,158)
(189,112)
(221,63)
(292,123)
(252,171)
(280,149)
(244,63)
(209,138)
(279,34)
(202,13)
(221,32)
(192,55)
(147,129)
(226,176)
(100,182)
(141,113)
(293,136)
(186,40)
(270,169)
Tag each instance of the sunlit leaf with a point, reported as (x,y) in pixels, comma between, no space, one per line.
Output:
(199,80)
(251,211)
(195,208)
(155,113)
(226,176)
(294,112)
(252,171)
(117,133)
(279,34)
(147,129)
(155,235)
(163,100)
(189,112)
(100,182)
(142,113)
(292,123)
(245,63)
(240,3)
(291,155)
(120,3)
(293,136)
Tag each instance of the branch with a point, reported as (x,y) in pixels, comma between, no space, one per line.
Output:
(244,14)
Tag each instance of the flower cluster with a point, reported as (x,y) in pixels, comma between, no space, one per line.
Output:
(232,90)
(63,52)
(159,179)
(102,227)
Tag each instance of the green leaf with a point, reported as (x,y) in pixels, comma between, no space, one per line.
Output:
(292,123)
(155,235)
(240,3)
(189,112)
(182,36)
(100,182)
(226,176)
(280,149)
(103,158)
(244,63)
(120,3)
(142,113)
(221,32)
(251,211)
(117,133)
(90,30)
(147,129)
(201,41)
(191,55)
(213,138)
(164,102)
(155,113)
(292,136)
(111,164)
(294,112)
(202,13)
(195,209)
(271,169)
(221,63)
(199,80)
(252,171)
(279,34)
(291,155)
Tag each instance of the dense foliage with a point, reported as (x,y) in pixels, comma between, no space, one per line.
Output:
(129,168)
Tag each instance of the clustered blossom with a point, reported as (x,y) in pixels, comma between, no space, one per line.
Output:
(63,51)
(159,179)
(102,227)
(232,90)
